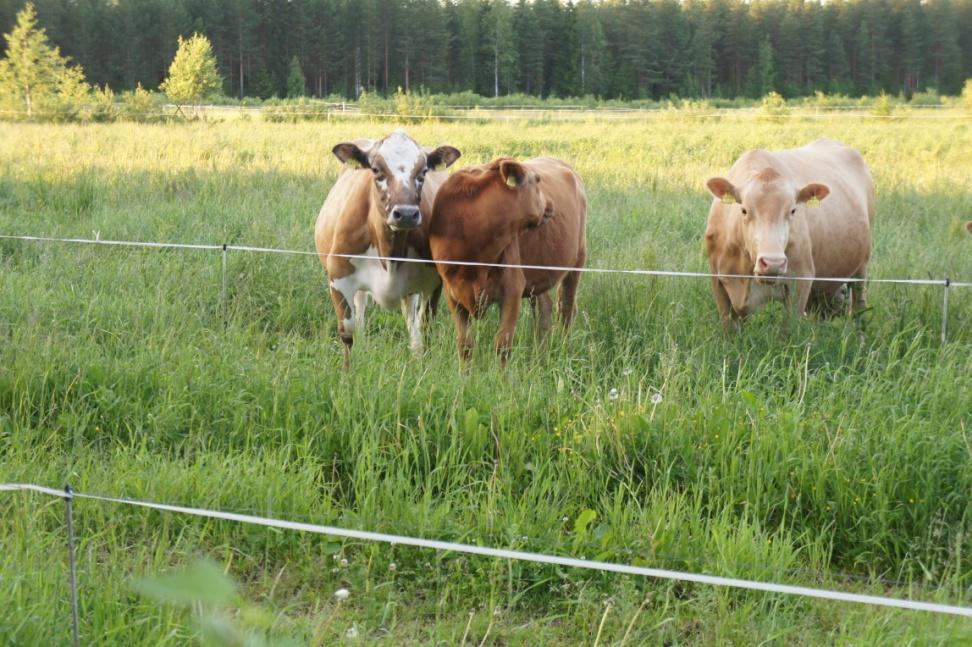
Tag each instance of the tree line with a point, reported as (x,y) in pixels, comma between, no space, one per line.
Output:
(630,49)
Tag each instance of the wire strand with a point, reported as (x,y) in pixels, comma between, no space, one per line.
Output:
(946,282)
(501,553)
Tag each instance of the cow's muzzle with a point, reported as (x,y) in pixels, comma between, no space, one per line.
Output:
(404,217)
(770,265)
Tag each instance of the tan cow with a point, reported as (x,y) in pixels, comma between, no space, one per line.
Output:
(802,212)
(376,208)
(509,212)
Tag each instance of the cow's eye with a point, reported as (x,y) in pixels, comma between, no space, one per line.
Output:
(792,211)
(745,213)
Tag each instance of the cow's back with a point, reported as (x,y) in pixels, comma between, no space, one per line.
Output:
(562,240)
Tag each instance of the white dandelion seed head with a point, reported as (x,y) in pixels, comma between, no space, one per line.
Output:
(393,567)
(628,371)
(656,398)
(342,594)
(613,394)
(344,563)
(351,633)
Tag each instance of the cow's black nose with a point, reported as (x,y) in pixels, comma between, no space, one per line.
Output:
(405,216)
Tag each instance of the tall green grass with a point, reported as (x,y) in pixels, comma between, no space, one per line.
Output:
(808,457)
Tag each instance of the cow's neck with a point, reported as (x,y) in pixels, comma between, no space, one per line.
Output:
(389,243)
(501,249)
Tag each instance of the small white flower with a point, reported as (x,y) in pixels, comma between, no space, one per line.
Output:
(351,633)
(626,372)
(344,563)
(613,394)
(565,519)
(342,594)
(656,398)
(392,567)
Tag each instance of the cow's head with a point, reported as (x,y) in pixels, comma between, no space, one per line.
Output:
(765,207)
(522,197)
(399,166)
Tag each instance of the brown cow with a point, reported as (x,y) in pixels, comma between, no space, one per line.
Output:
(376,208)
(968,226)
(509,212)
(762,223)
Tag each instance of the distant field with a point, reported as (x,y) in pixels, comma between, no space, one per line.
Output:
(804,458)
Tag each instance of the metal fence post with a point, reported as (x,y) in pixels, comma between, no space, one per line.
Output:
(69,500)
(945,310)
(222,294)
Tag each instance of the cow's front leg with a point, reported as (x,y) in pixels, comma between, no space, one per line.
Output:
(730,319)
(798,290)
(801,291)
(509,313)
(464,338)
(796,295)
(858,300)
(345,322)
(432,303)
(412,309)
(542,306)
(360,305)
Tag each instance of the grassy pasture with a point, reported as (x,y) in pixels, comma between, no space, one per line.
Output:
(806,458)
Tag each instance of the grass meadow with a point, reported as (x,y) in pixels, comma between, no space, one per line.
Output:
(808,457)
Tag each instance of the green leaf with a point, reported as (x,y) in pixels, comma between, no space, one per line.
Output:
(332,547)
(202,582)
(583,520)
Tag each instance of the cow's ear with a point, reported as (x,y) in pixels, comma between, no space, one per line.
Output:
(813,191)
(354,153)
(723,189)
(512,173)
(441,158)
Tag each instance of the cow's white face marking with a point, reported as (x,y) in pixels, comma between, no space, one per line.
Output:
(401,155)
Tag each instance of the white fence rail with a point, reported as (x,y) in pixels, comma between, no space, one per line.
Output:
(946,283)
(499,553)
